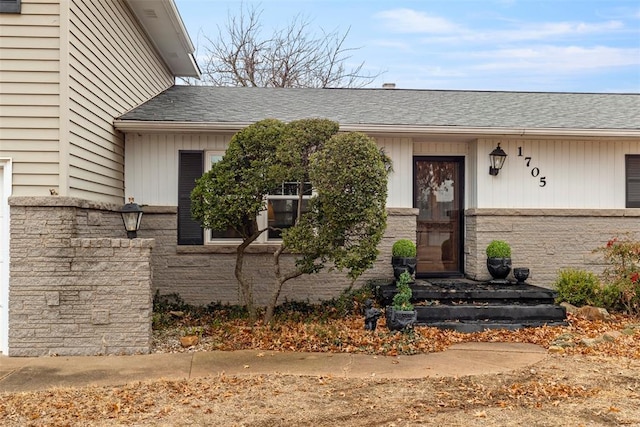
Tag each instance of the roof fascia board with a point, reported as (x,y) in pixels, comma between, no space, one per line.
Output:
(190,127)
(170,20)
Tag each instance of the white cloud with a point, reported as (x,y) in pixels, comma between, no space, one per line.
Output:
(555,59)
(413,21)
(408,21)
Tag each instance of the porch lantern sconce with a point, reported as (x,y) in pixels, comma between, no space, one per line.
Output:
(131,217)
(497,157)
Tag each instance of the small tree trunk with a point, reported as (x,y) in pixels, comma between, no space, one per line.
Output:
(246,287)
(279,281)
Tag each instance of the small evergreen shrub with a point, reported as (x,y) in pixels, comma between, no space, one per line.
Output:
(498,249)
(610,297)
(402,300)
(404,248)
(577,287)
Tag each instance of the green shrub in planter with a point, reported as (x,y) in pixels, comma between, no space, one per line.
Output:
(404,248)
(402,300)
(401,315)
(498,249)
(403,258)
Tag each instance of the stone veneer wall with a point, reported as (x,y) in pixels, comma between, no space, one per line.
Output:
(205,274)
(76,286)
(545,240)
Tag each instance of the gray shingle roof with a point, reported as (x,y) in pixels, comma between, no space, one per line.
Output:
(396,107)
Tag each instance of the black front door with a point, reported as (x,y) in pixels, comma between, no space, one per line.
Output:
(438,194)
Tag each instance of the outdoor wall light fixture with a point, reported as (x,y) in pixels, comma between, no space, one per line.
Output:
(497,157)
(131,217)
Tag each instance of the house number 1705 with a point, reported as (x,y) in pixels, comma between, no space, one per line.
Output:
(535,171)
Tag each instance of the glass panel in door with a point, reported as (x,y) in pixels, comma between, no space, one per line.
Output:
(438,195)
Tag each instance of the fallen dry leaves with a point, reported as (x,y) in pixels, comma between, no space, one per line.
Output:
(584,385)
(347,335)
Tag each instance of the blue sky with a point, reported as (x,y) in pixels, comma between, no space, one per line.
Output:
(528,45)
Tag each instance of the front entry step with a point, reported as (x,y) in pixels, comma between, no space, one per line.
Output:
(513,312)
(483,325)
(467,306)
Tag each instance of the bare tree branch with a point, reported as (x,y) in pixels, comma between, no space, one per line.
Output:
(291,57)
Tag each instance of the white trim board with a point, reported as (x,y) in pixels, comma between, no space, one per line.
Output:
(5,192)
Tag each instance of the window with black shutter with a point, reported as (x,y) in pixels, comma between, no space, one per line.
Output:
(633,180)
(190,168)
(10,6)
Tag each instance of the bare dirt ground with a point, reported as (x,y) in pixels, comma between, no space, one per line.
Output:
(591,382)
(562,390)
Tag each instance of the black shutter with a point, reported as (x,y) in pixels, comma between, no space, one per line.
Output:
(190,168)
(633,181)
(9,6)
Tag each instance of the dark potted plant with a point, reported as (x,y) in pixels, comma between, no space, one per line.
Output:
(521,274)
(499,259)
(401,314)
(403,258)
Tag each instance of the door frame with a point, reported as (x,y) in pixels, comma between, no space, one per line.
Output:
(5,192)
(461,162)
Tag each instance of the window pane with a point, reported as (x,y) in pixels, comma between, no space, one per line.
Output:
(282,214)
(291,189)
(633,181)
(229,233)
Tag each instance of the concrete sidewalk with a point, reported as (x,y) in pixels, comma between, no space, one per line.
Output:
(41,373)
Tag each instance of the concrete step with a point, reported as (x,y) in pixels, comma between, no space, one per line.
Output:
(461,291)
(483,312)
(482,325)
(468,306)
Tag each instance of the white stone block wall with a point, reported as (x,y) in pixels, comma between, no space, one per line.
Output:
(545,240)
(73,294)
(205,274)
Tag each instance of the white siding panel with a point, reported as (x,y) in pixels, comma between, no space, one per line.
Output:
(29,95)
(151,170)
(579,174)
(400,191)
(113,67)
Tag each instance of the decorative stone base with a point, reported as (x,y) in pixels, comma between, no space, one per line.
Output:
(76,296)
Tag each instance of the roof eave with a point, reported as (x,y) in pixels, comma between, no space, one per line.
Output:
(161,21)
(191,127)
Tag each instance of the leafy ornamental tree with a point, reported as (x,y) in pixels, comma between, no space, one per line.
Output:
(292,57)
(345,219)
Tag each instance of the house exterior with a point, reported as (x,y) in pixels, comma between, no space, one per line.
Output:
(570,182)
(90,116)
(68,68)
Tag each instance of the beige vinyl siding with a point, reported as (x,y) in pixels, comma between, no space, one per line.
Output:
(113,67)
(30,95)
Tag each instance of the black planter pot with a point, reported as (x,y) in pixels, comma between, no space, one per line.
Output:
(398,320)
(521,274)
(499,268)
(402,264)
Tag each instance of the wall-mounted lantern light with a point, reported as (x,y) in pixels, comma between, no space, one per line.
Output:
(131,217)
(497,157)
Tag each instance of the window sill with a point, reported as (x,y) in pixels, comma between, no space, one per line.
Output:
(255,248)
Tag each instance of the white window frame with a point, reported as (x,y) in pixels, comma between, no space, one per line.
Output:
(209,157)
(262,218)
